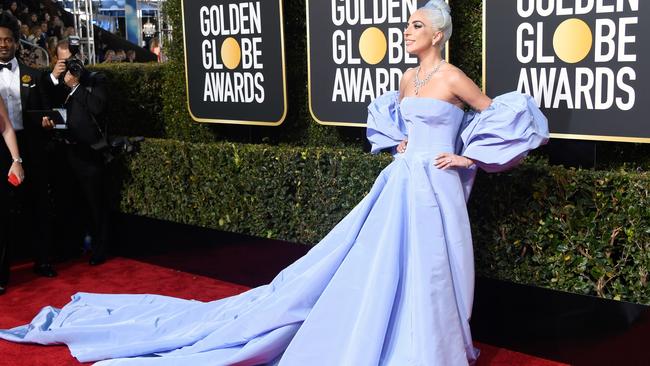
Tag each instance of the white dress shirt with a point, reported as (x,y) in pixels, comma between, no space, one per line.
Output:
(10,92)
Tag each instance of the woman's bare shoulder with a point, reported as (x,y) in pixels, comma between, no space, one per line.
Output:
(409,73)
(407,78)
(452,74)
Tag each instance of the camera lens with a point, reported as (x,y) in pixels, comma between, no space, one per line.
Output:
(75,66)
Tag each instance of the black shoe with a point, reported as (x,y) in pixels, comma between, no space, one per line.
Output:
(95,261)
(45,270)
(3,289)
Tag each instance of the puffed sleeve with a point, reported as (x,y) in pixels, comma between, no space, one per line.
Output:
(499,137)
(385,127)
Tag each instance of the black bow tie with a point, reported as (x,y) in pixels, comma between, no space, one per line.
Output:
(8,66)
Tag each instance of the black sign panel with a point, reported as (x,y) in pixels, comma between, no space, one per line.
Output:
(234,61)
(584,62)
(356,52)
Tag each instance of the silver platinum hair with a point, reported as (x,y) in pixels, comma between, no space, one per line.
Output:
(438,12)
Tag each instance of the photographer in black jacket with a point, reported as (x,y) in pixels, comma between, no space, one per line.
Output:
(83,96)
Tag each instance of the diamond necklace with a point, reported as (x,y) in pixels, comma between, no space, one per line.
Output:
(420,83)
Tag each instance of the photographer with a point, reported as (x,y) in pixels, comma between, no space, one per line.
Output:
(83,96)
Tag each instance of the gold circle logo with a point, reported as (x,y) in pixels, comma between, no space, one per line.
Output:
(230,53)
(572,40)
(373,45)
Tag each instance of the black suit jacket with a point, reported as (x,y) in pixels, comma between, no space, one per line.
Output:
(84,107)
(33,96)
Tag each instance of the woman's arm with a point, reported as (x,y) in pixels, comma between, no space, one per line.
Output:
(465,89)
(9,137)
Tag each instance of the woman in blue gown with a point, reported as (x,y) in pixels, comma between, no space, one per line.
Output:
(391,284)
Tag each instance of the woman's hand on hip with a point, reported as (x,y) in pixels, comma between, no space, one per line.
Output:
(401,148)
(449,160)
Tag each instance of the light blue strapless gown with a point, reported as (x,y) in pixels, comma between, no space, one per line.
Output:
(391,284)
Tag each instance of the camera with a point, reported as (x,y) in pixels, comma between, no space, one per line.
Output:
(74,45)
(74,64)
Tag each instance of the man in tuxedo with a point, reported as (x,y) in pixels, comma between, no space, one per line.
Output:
(22,89)
(83,95)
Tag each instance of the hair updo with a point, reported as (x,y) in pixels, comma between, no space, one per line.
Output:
(438,13)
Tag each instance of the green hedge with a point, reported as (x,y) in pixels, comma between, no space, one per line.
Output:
(575,230)
(582,231)
(466,43)
(281,192)
(135,95)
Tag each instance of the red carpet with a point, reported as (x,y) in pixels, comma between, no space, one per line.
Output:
(28,294)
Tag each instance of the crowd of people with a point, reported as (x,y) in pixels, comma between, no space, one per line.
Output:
(42,27)
(109,56)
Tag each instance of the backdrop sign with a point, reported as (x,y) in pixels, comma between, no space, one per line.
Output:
(356,52)
(234,61)
(582,60)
